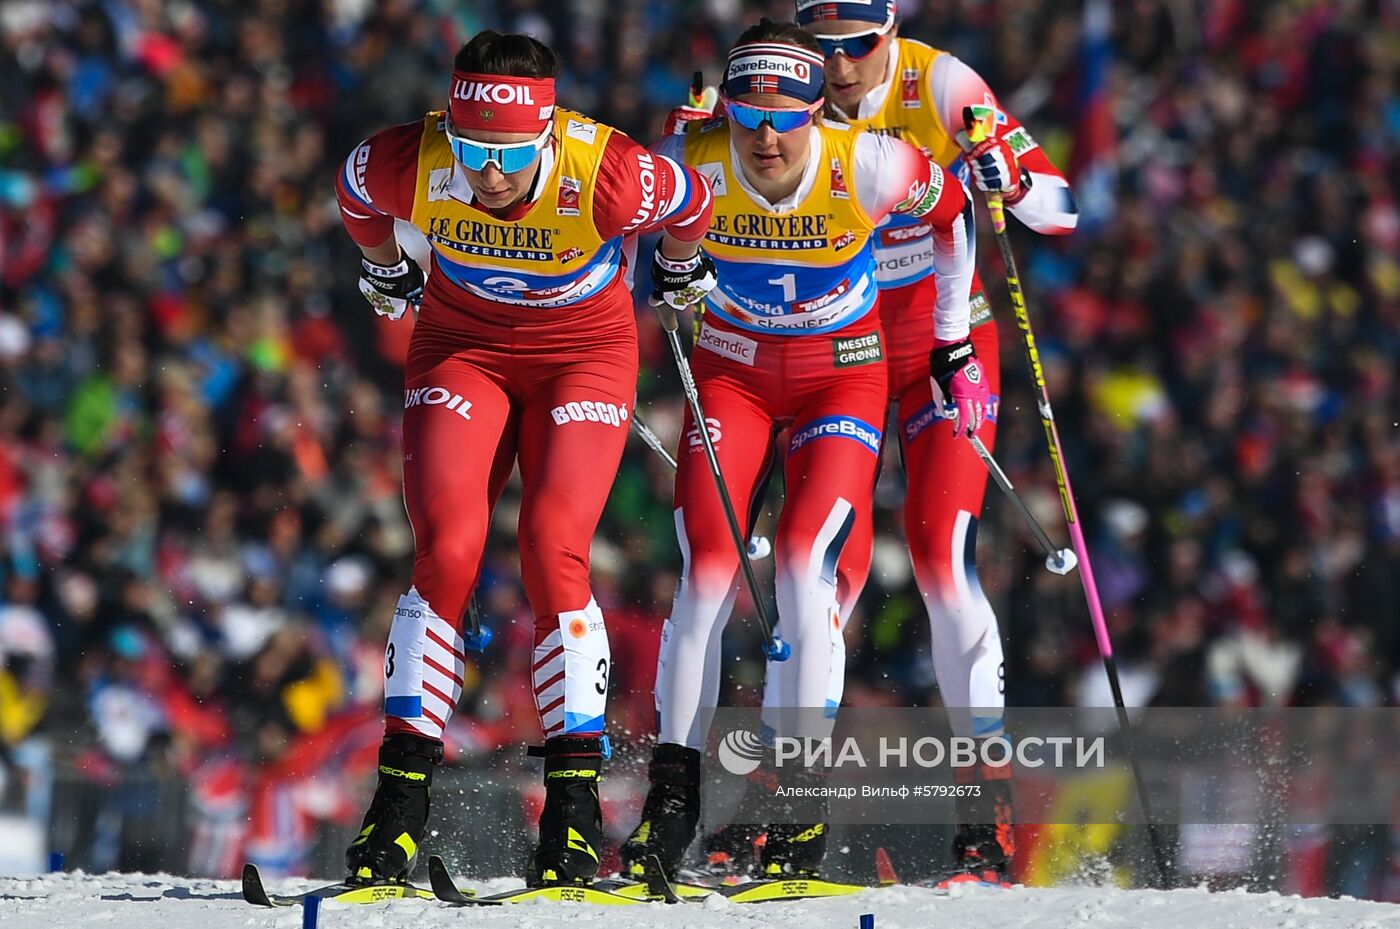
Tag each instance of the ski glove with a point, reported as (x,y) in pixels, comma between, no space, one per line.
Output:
(700,106)
(392,289)
(682,283)
(959,384)
(995,171)
(697,110)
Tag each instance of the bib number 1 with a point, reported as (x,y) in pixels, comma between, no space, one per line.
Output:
(788,283)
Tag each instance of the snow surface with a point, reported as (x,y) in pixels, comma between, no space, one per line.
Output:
(160,902)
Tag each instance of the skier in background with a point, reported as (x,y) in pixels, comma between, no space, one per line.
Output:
(903,88)
(525,349)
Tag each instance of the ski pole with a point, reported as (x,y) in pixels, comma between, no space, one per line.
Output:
(977,130)
(1057,560)
(773,647)
(478,636)
(649,437)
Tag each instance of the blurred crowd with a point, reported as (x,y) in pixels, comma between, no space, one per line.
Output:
(199,447)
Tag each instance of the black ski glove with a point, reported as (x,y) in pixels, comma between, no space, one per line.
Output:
(680,284)
(392,289)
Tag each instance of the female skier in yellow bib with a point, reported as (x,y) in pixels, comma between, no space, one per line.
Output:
(791,339)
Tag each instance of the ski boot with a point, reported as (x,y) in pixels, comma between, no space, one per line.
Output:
(571,825)
(794,850)
(669,816)
(985,841)
(731,853)
(387,845)
(797,848)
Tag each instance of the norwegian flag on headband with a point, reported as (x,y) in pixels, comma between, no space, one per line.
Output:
(763,84)
(774,68)
(868,11)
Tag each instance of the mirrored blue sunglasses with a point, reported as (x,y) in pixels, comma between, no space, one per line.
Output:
(782,120)
(508,158)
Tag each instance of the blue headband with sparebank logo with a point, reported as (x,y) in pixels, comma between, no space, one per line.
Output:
(814,12)
(774,68)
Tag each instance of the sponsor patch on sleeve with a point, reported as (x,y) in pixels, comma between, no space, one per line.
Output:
(925,205)
(1020,141)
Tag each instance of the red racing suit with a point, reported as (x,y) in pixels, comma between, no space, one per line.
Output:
(525,350)
(791,340)
(921,101)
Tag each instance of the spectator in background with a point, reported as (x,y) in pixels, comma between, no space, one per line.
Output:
(26,682)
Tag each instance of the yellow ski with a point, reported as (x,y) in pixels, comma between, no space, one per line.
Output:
(343,892)
(448,892)
(796,889)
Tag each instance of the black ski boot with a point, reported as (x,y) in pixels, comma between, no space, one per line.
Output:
(571,825)
(985,842)
(794,849)
(669,816)
(398,815)
(731,852)
(797,848)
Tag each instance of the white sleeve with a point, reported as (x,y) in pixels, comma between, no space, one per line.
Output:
(953,85)
(879,174)
(1049,206)
(955,263)
(895,177)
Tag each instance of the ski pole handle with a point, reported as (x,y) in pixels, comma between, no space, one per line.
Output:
(979,130)
(998,213)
